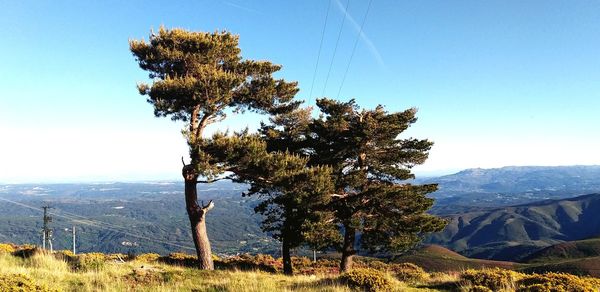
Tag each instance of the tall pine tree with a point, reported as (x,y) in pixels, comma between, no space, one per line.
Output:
(370,164)
(198,78)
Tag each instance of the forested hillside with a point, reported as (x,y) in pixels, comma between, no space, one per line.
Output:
(512,233)
(130,217)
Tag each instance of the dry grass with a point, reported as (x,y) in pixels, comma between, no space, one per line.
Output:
(60,273)
(57,274)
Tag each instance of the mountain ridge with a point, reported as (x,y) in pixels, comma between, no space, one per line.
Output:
(514,232)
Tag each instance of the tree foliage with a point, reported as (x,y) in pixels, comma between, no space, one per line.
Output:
(291,191)
(198,77)
(370,165)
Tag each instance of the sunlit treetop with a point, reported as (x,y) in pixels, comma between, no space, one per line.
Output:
(199,75)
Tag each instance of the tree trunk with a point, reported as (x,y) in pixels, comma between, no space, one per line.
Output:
(286,257)
(348,248)
(197,215)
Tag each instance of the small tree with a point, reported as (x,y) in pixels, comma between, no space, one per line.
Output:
(369,164)
(198,78)
(290,190)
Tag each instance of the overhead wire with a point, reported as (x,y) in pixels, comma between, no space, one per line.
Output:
(354,48)
(335,48)
(319,52)
(98,224)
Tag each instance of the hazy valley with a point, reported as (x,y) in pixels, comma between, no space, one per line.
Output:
(149,217)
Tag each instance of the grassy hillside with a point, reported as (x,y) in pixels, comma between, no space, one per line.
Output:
(28,269)
(512,233)
(41,271)
(440,259)
(581,257)
(567,251)
(54,274)
(581,266)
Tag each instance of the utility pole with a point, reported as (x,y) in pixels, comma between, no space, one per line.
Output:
(73,239)
(46,232)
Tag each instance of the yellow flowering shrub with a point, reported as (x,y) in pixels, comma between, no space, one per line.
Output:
(7,248)
(408,272)
(367,280)
(93,261)
(555,282)
(147,257)
(19,283)
(494,279)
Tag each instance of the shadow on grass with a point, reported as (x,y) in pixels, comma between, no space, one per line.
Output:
(441,286)
(316,285)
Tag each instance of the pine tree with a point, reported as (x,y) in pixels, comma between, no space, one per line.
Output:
(198,77)
(369,166)
(290,190)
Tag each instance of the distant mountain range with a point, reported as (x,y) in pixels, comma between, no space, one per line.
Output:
(507,213)
(513,185)
(513,233)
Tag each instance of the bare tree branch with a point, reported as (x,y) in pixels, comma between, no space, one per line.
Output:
(208,206)
(212,180)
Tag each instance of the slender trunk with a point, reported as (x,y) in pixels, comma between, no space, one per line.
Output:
(286,257)
(348,251)
(197,215)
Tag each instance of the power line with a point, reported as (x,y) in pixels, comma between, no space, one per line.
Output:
(319,53)
(96,223)
(336,46)
(354,48)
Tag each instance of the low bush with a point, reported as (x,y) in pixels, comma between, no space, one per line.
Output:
(90,261)
(494,279)
(147,257)
(408,272)
(26,251)
(19,283)
(179,259)
(7,248)
(554,282)
(65,255)
(367,280)
(246,262)
(378,265)
(320,267)
(302,262)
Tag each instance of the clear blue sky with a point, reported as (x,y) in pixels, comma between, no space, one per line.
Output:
(496,82)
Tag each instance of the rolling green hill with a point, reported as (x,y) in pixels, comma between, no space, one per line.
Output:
(440,259)
(577,257)
(567,251)
(513,233)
